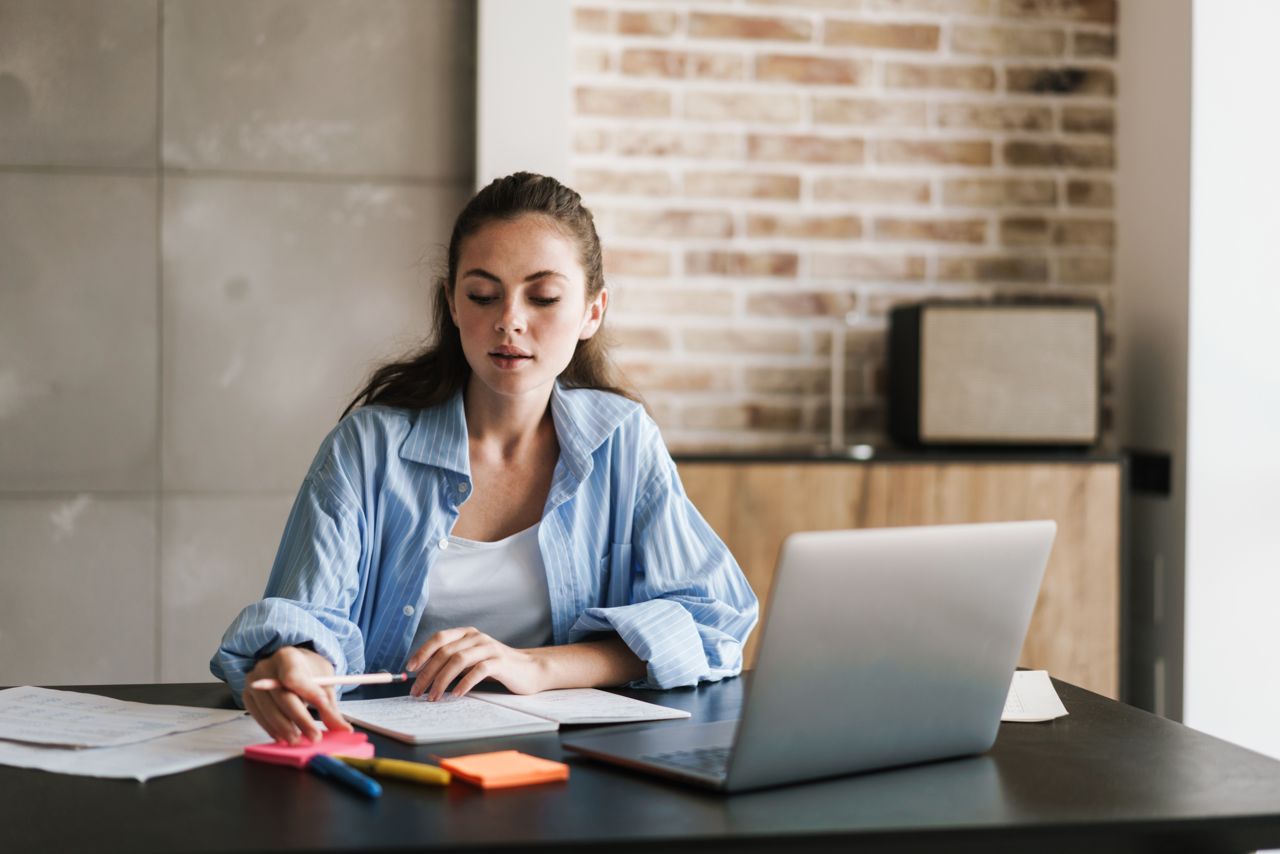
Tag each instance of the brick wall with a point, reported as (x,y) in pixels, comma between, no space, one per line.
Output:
(763,170)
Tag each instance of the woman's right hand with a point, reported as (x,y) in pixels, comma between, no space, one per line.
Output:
(282,711)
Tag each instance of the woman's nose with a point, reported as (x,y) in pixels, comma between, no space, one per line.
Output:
(511,319)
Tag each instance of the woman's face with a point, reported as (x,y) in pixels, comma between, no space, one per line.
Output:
(520,304)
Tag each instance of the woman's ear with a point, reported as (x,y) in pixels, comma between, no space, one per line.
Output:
(595,315)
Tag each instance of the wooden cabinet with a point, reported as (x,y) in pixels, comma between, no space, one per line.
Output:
(1075,629)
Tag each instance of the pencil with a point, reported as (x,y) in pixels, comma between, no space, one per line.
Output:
(360,679)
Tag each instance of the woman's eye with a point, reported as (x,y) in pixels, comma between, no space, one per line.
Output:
(544,300)
(478,299)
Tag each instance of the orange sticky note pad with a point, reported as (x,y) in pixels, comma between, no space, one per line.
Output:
(298,755)
(505,768)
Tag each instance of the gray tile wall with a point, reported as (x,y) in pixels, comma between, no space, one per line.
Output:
(215,219)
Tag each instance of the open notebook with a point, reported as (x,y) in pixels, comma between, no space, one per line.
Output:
(482,714)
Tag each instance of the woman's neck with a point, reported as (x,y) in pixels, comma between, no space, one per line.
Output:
(506,427)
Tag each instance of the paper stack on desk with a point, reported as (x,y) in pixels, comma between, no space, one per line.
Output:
(75,733)
(1032,698)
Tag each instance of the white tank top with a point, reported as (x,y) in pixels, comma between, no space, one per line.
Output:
(500,588)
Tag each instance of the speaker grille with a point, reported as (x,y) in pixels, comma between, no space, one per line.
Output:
(1003,374)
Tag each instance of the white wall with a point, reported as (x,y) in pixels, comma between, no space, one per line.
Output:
(518,127)
(1233,477)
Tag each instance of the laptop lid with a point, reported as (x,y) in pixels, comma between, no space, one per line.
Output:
(881,647)
(887,647)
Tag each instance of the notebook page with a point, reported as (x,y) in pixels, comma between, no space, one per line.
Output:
(420,721)
(582,706)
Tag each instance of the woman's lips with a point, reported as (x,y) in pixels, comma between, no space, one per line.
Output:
(508,361)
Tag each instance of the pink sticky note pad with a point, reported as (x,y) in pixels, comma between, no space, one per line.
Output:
(298,755)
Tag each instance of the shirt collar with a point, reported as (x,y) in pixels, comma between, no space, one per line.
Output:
(584,419)
(439,437)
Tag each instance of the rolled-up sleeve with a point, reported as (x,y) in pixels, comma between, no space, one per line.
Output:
(690,607)
(313,584)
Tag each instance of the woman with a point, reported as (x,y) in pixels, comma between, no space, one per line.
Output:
(493,508)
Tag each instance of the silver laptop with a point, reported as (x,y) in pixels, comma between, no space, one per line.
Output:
(881,647)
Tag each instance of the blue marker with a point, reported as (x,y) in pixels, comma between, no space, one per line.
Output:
(327,766)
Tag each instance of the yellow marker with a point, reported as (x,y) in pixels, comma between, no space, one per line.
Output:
(417,772)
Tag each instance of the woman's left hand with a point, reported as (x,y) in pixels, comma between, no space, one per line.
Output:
(473,656)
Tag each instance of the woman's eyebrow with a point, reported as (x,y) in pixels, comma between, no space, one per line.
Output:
(485,274)
(542,274)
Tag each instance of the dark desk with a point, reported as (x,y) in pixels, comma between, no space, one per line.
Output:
(1106,778)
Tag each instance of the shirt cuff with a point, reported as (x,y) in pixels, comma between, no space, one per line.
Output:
(260,630)
(661,633)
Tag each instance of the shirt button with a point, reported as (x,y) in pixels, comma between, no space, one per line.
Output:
(408,610)
(444,544)
(462,487)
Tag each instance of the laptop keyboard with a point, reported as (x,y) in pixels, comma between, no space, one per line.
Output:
(704,760)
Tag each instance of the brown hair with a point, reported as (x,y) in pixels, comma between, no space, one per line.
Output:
(435,373)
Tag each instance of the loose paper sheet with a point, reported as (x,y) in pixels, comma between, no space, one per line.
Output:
(141,761)
(1032,698)
(74,719)
(583,706)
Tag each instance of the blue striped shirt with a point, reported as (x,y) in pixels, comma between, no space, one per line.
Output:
(624,549)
